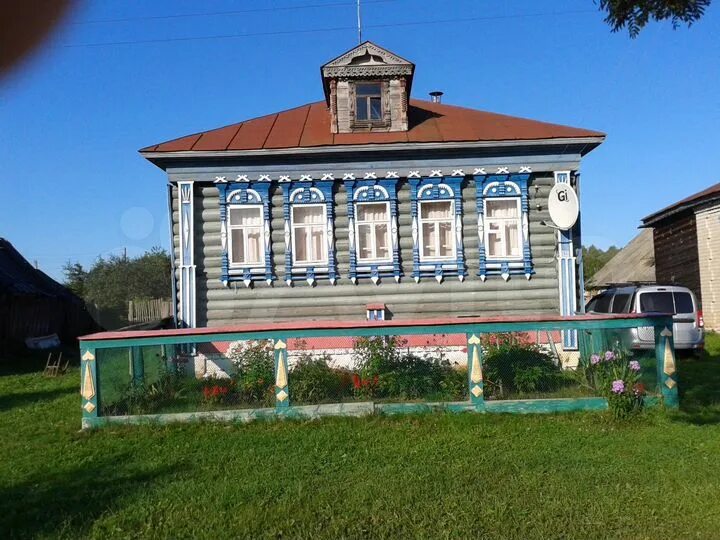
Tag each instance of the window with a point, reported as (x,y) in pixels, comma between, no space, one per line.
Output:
(246,251)
(368,102)
(502,232)
(373,231)
(437,234)
(683,302)
(619,303)
(245,224)
(503,225)
(602,303)
(309,234)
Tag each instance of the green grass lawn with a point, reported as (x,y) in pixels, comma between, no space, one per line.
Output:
(431,476)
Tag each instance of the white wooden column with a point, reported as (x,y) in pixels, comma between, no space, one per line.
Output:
(567,279)
(186,287)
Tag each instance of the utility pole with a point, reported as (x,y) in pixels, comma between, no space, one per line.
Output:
(359,23)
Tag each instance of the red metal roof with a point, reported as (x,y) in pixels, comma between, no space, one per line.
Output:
(309,126)
(712,192)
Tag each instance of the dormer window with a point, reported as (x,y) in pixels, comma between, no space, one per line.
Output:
(367,89)
(368,103)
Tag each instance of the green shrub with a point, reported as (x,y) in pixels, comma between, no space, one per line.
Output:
(515,366)
(255,377)
(312,380)
(385,370)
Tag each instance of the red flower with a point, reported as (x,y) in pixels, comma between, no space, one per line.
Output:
(356,381)
(639,389)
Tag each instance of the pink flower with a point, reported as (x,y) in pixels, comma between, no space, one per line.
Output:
(634,365)
(595,359)
(618,387)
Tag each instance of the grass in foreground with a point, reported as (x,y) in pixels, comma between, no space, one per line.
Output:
(438,476)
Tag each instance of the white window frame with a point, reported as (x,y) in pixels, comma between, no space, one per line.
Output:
(294,226)
(373,239)
(486,232)
(230,229)
(422,221)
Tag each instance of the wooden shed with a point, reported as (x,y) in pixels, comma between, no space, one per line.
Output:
(687,248)
(371,204)
(32,304)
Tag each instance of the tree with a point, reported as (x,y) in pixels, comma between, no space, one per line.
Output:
(75,276)
(113,281)
(595,258)
(635,14)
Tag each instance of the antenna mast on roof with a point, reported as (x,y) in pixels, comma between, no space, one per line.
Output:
(359,21)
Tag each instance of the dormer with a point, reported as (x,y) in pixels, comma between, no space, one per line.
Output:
(367,89)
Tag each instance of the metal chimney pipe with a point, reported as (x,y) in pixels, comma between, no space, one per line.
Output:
(436,96)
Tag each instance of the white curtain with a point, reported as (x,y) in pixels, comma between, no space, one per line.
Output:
(502,208)
(435,210)
(309,234)
(246,235)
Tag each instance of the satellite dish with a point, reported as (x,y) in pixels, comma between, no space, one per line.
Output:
(563,206)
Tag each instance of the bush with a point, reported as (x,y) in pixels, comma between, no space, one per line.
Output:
(385,371)
(255,378)
(515,366)
(312,380)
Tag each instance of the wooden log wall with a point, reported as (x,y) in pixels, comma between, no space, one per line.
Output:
(218,305)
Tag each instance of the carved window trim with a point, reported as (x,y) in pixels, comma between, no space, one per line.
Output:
(373,191)
(437,189)
(503,187)
(312,193)
(250,194)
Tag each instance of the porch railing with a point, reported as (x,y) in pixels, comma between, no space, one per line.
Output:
(352,368)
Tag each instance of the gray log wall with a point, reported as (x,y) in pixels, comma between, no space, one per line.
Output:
(220,305)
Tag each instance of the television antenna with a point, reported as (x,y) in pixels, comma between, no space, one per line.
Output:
(359,23)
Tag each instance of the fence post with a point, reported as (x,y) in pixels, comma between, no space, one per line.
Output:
(282,391)
(666,371)
(137,365)
(88,386)
(475,377)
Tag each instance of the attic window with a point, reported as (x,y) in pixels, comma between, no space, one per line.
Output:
(368,103)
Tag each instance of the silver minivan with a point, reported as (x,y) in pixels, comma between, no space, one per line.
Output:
(688,332)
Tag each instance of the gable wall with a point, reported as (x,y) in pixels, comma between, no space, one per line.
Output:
(676,253)
(218,305)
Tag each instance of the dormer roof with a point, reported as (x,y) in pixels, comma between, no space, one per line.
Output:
(367,60)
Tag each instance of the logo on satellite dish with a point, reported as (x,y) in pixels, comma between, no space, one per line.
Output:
(563,206)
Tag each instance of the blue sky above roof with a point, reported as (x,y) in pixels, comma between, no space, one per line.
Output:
(74,115)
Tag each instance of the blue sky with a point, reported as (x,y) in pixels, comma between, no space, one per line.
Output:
(73,116)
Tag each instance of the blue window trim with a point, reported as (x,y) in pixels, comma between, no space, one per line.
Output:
(382,190)
(238,194)
(442,188)
(503,185)
(309,192)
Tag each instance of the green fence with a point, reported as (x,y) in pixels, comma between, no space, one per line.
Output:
(336,368)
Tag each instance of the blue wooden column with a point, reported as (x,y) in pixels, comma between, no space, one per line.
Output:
(186,222)
(88,386)
(666,370)
(566,274)
(282,390)
(475,377)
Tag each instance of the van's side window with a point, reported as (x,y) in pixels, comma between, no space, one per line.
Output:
(620,303)
(602,304)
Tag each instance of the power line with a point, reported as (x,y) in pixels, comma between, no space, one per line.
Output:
(335,29)
(230,12)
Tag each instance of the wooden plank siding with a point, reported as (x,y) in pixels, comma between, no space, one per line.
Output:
(708,242)
(676,253)
(219,305)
